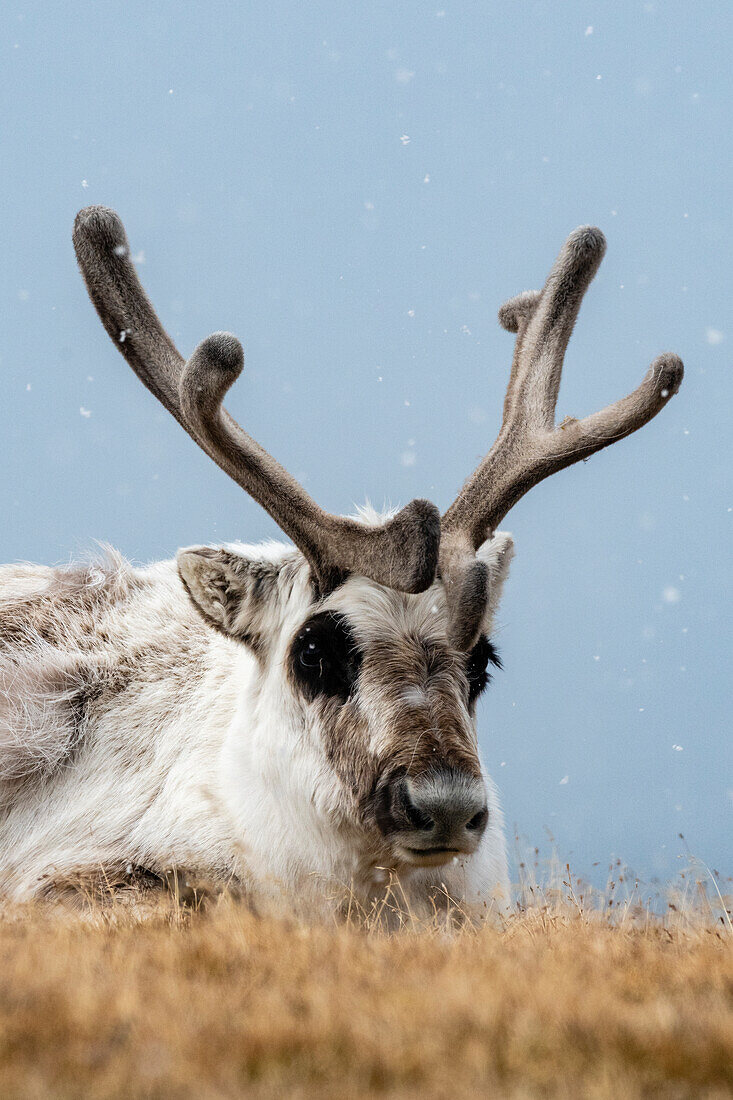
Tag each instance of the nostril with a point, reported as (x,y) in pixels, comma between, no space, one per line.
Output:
(417,817)
(478,821)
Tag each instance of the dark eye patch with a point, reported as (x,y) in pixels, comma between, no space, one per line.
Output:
(324,659)
(483,654)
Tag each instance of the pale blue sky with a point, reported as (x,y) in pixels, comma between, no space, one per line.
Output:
(354,189)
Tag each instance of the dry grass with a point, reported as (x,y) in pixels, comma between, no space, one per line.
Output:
(562,1001)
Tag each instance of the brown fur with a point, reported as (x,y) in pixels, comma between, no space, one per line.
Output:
(67,607)
(418,688)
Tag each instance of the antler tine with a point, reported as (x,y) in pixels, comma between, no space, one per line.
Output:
(401,554)
(529,447)
(543,321)
(550,325)
(515,316)
(103,253)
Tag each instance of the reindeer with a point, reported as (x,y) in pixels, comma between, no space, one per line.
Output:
(296,720)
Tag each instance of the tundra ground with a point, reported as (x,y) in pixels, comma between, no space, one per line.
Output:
(560,1000)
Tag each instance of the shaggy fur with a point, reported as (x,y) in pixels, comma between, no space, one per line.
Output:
(151,724)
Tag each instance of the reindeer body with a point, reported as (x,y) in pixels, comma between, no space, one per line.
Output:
(133,736)
(297,721)
(106,751)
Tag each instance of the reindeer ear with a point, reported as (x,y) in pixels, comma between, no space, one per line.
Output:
(497,554)
(236,594)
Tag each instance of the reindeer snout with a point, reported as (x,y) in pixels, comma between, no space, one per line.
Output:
(434,817)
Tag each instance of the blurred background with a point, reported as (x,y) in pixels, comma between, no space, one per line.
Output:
(354,189)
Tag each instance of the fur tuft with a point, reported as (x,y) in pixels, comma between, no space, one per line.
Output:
(48,620)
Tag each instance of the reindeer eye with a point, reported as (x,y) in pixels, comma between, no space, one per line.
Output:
(324,659)
(477,670)
(310,656)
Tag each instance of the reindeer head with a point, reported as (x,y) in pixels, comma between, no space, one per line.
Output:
(372,639)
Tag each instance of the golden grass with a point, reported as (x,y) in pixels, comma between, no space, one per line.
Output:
(562,1001)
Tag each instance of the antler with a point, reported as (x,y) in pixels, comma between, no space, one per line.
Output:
(529,447)
(401,553)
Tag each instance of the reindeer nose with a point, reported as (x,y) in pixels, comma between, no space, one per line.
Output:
(442,812)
